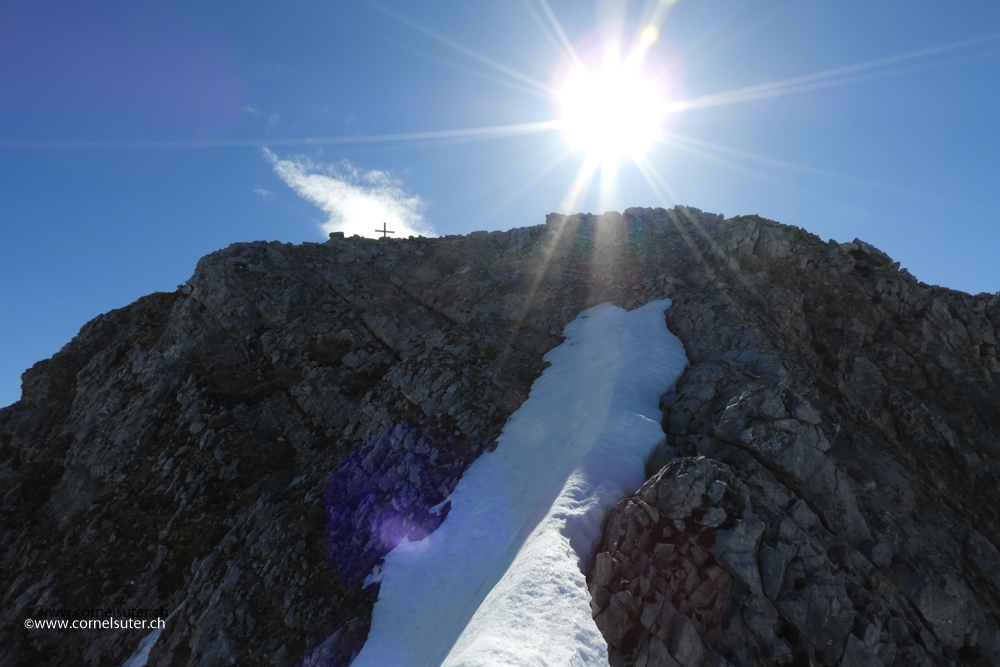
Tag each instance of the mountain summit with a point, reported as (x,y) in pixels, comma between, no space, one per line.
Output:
(244,453)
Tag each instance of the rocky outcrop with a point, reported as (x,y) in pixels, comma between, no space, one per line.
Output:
(253,443)
(211,446)
(832,488)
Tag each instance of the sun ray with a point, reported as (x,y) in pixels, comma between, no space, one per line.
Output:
(701,149)
(700,152)
(570,51)
(710,36)
(608,186)
(606,261)
(756,157)
(656,11)
(664,193)
(763,159)
(655,182)
(546,29)
(794,166)
(542,259)
(837,76)
(472,133)
(581,184)
(489,62)
(726,263)
(517,86)
(517,192)
(652,176)
(654,15)
(678,216)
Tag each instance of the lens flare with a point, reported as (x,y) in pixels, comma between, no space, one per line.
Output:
(649,35)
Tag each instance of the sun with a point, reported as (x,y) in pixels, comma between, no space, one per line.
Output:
(611,113)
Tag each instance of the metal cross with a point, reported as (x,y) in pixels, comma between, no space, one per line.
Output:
(385,232)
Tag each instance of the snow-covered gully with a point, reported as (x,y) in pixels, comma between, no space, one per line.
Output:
(500,581)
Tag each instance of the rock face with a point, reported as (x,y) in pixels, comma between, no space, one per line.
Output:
(252,444)
(835,500)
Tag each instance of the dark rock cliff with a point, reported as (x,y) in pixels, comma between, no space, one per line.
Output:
(252,444)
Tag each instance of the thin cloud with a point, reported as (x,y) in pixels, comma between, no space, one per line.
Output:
(266,194)
(356,201)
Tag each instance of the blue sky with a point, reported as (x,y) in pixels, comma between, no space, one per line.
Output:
(136,137)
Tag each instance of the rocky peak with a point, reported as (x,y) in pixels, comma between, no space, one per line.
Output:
(236,445)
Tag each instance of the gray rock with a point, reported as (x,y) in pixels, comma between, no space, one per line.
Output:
(614,621)
(194,435)
(773,562)
(736,549)
(685,644)
(603,569)
(856,654)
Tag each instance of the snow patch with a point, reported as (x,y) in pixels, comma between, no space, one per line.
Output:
(500,582)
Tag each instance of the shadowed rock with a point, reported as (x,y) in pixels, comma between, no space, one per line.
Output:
(847,415)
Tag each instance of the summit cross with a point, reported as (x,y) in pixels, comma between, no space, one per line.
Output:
(385,232)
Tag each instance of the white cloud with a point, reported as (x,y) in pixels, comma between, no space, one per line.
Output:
(357,202)
(266,194)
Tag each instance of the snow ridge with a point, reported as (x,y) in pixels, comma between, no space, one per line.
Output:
(500,581)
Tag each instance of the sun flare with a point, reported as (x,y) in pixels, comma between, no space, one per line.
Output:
(611,113)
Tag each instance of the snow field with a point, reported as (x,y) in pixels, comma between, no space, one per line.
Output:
(500,582)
